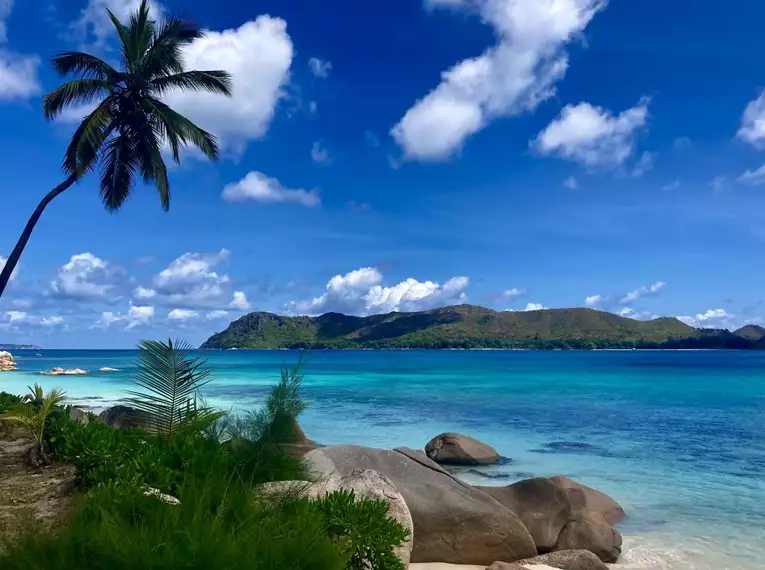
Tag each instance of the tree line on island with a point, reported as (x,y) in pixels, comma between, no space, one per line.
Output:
(471,327)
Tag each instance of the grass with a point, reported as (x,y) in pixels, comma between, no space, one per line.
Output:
(222,522)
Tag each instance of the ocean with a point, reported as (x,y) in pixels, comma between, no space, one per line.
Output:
(676,437)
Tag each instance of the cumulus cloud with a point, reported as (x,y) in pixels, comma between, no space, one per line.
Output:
(4,260)
(19,320)
(319,153)
(534,307)
(258,55)
(258,187)
(191,282)
(594,300)
(136,316)
(752,128)
(753,177)
(18,72)
(593,136)
(319,67)
(641,292)
(644,164)
(513,293)
(213,315)
(571,183)
(86,277)
(182,315)
(711,318)
(509,78)
(361,292)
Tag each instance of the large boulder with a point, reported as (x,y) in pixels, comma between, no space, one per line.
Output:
(542,506)
(458,449)
(453,522)
(566,560)
(562,514)
(123,417)
(7,363)
(591,500)
(592,533)
(365,483)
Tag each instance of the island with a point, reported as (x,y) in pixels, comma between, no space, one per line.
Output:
(19,347)
(472,327)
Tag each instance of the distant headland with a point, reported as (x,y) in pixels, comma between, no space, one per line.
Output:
(472,327)
(19,347)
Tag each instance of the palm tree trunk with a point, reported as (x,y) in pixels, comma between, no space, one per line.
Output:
(13,260)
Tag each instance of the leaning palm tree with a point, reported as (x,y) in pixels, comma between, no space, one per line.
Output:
(126,132)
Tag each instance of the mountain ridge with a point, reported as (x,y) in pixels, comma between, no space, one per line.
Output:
(469,326)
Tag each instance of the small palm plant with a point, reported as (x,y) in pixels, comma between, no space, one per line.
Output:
(171,378)
(130,125)
(33,412)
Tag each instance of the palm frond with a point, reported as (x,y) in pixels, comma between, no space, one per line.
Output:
(83,66)
(219,82)
(77,91)
(88,139)
(35,409)
(140,31)
(122,34)
(165,55)
(120,163)
(186,131)
(170,378)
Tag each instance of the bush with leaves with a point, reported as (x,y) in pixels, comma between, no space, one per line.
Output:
(363,530)
(33,413)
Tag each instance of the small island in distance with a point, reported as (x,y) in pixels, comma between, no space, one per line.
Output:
(472,327)
(19,347)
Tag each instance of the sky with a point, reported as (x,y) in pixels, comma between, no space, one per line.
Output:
(403,155)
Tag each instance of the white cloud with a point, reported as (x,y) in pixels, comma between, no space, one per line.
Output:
(513,293)
(361,292)
(753,122)
(94,22)
(671,186)
(319,154)
(213,315)
(182,315)
(319,67)
(711,318)
(594,300)
(626,312)
(137,315)
(18,72)
(191,282)
(88,278)
(644,164)
(534,307)
(571,183)
(753,177)
(258,187)
(15,271)
(16,320)
(593,136)
(641,292)
(258,55)
(313,106)
(509,78)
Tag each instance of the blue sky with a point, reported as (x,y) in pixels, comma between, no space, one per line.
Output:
(401,156)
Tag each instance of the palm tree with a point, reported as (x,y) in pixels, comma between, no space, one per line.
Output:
(126,132)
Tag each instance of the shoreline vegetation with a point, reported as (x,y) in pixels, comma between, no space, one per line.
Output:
(477,328)
(169,482)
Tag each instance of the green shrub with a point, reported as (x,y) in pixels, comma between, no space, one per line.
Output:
(8,401)
(363,530)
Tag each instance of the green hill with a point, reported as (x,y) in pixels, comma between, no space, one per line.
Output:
(751,332)
(463,326)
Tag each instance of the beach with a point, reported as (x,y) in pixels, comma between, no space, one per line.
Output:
(675,437)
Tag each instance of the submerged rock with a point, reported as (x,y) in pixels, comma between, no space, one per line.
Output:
(458,449)
(453,522)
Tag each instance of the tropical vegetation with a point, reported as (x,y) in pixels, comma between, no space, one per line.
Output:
(129,126)
(467,326)
(213,464)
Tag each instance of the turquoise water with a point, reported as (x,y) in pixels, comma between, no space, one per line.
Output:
(676,437)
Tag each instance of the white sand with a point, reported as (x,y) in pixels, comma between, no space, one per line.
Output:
(444,566)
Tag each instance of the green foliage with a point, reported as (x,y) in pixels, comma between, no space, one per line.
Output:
(130,124)
(171,378)
(363,530)
(8,401)
(276,422)
(34,410)
(463,326)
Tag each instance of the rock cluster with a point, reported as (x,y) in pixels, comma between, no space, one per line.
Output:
(458,449)
(61,372)
(7,363)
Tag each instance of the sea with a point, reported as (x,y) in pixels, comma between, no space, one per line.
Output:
(677,437)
